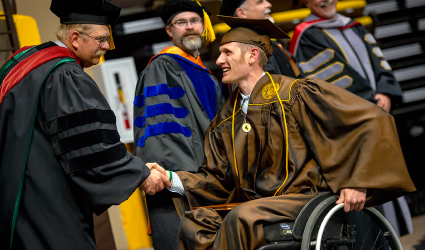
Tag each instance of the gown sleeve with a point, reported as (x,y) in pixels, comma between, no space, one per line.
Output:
(163,128)
(384,77)
(354,142)
(82,131)
(213,184)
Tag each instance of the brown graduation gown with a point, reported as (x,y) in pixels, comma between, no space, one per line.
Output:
(336,140)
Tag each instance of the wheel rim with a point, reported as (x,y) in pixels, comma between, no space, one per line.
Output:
(355,230)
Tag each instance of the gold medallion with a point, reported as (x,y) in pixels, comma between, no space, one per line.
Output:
(246,127)
(269,91)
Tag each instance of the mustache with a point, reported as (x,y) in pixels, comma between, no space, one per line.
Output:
(100,53)
(325,3)
(188,33)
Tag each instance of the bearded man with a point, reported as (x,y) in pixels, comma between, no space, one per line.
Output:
(277,143)
(176,99)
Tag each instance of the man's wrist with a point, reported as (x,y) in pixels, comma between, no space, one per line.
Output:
(169,175)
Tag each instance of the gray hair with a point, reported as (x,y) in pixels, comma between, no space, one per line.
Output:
(64,30)
(244,5)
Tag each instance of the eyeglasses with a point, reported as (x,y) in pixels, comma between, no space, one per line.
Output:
(183,23)
(101,40)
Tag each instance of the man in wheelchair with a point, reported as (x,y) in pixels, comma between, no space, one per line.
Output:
(277,143)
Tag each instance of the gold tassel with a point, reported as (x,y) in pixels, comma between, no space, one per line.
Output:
(111,40)
(209,31)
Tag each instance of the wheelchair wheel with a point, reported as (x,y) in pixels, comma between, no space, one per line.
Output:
(329,227)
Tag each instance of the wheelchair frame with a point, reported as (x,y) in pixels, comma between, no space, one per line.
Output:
(314,218)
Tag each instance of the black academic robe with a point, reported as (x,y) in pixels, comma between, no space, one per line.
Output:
(279,63)
(60,155)
(346,56)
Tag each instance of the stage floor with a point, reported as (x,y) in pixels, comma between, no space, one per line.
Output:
(415,241)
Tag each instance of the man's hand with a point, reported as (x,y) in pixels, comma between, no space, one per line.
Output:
(155,182)
(159,168)
(384,102)
(155,165)
(353,198)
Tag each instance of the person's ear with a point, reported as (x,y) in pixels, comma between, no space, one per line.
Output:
(74,39)
(254,55)
(240,13)
(168,30)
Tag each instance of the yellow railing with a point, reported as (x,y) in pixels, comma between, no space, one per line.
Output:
(301,14)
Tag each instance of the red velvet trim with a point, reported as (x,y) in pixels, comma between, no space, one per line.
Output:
(30,63)
(17,52)
(297,32)
(349,26)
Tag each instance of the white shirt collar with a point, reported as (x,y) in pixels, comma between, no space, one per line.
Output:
(338,21)
(60,43)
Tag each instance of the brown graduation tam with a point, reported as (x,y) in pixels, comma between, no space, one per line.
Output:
(252,31)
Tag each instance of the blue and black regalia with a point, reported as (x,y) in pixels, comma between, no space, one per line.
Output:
(176,99)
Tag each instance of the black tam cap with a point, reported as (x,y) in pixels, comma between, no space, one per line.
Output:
(228,7)
(175,7)
(100,12)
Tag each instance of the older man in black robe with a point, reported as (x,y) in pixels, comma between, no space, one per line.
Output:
(61,158)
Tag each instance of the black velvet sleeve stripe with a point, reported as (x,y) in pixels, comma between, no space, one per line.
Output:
(78,119)
(90,161)
(84,140)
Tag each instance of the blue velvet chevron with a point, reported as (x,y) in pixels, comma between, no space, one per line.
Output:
(163,128)
(160,109)
(160,89)
(205,90)
(202,82)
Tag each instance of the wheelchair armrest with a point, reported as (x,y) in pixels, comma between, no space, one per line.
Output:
(221,207)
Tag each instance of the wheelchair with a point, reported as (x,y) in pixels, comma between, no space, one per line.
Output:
(323,225)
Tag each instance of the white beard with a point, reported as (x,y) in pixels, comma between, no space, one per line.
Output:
(191,44)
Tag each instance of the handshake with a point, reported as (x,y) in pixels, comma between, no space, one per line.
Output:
(157,180)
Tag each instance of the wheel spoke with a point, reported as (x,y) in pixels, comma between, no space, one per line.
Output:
(364,224)
(364,237)
(377,237)
(382,245)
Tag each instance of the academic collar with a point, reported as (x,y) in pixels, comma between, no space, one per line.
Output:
(60,43)
(337,22)
(178,51)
